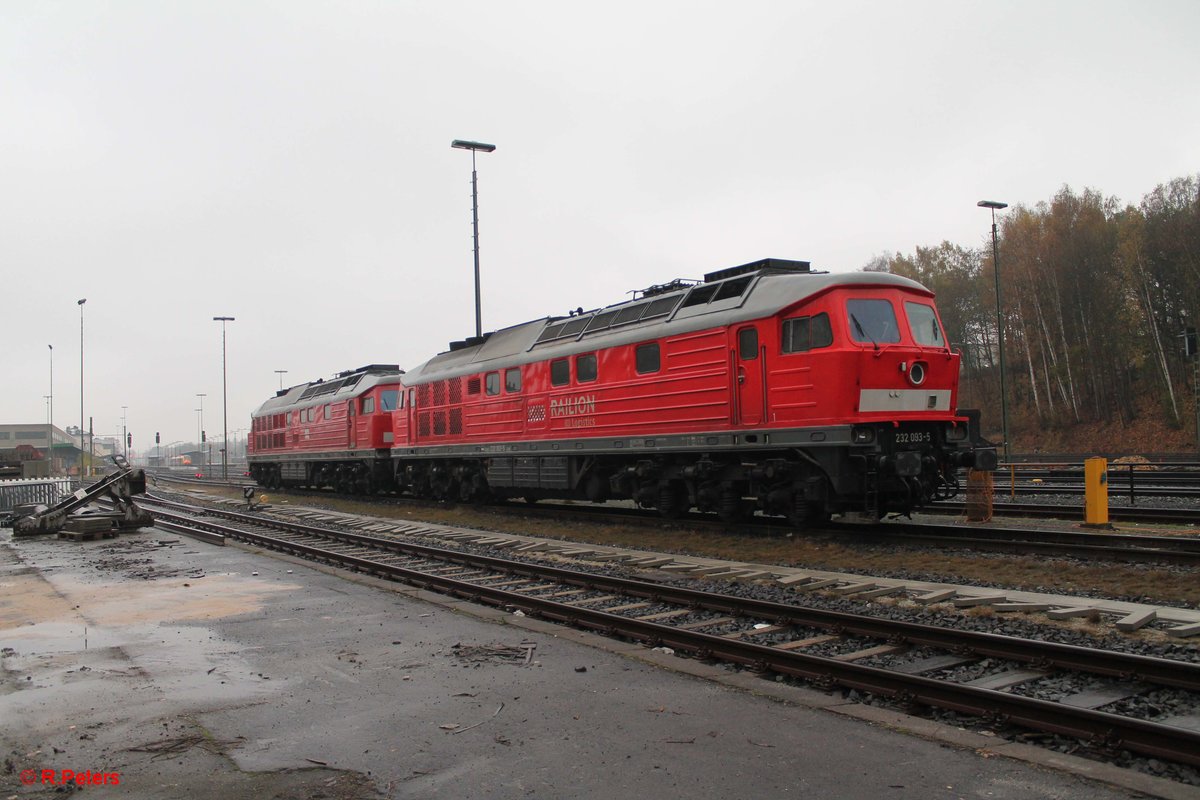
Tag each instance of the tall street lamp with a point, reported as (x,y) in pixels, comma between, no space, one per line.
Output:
(281,373)
(124,432)
(475,147)
(224,403)
(50,417)
(80,303)
(994,205)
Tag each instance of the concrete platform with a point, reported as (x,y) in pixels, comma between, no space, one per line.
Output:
(229,673)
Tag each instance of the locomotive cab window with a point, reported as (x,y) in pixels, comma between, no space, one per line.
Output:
(491,383)
(560,372)
(368,405)
(923,323)
(512,380)
(389,398)
(647,358)
(585,368)
(748,344)
(328,412)
(872,321)
(801,334)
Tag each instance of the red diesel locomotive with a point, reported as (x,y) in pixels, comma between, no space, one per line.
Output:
(766,386)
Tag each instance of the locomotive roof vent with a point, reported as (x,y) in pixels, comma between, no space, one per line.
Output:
(663,288)
(777,264)
(470,341)
(371,368)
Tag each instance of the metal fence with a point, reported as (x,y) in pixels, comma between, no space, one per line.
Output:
(46,491)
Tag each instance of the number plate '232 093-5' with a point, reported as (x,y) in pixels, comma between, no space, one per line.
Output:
(914,437)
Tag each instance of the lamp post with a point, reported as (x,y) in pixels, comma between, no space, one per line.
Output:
(50,417)
(993,206)
(80,303)
(49,460)
(281,373)
(224,402)
(475,147)
(124,432)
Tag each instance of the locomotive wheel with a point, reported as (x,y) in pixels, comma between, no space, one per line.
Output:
(443,487)
(799,515)
(817,515)
(474,489)
(670,504)
(730,507)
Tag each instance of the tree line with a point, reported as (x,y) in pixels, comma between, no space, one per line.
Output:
(1095,298)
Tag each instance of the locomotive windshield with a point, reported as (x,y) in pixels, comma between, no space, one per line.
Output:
(873,321)
(387,400)
(924,325)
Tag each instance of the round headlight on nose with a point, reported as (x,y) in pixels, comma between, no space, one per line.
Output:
(916,373)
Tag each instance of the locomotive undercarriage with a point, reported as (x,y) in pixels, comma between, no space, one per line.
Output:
(358,476)
(804,485)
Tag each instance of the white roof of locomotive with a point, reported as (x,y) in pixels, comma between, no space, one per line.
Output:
(769,293)
(319,392)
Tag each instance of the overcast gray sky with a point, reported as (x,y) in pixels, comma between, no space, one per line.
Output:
(289,164)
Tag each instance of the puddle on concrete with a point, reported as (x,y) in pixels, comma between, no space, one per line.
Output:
(56,623)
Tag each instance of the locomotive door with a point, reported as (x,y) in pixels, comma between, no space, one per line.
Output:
(351,432)
(748,371)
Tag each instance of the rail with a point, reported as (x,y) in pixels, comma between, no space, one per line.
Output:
(477,583)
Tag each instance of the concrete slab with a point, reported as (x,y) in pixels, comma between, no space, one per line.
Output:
(1184,631)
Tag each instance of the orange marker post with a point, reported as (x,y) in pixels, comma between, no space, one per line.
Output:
(1095,482)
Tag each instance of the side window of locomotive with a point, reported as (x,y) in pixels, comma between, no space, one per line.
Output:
(801,334)
(560,372)
(647,358)
(388,399)
(585,368)
(748,344)
(368,405)
(492,383)
(872,321)
(328,412)
(922,321)
(512,380)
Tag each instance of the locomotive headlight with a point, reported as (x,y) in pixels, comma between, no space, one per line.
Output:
(863,435)
(916,373)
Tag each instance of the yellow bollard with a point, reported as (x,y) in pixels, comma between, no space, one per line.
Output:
(1095,482)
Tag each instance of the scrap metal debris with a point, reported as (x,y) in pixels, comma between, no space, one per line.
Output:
(507,654)
(453,729)
(181,744)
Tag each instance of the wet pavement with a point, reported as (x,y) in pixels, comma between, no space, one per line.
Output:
(187,670)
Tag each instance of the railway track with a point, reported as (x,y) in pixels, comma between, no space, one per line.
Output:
(1111,546)
(1182,516)
(914,664)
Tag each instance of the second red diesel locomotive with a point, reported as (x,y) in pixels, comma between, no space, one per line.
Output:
(766,387)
